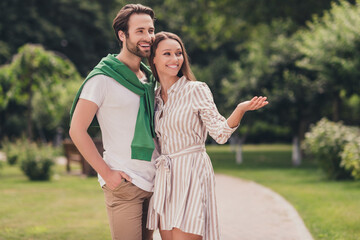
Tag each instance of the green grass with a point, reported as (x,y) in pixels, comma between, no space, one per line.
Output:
(71,207)
(68,207)
(330,210)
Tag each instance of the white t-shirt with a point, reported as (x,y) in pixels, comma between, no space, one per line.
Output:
(117,114)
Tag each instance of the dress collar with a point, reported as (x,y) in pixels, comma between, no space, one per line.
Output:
(174,88)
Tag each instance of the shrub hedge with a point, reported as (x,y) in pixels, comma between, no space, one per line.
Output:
(333,146)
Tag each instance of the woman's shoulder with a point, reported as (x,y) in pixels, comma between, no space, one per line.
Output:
(197,86)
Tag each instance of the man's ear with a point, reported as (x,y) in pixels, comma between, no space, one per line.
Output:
(121,35)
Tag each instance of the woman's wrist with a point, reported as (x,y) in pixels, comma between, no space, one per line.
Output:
(241,108)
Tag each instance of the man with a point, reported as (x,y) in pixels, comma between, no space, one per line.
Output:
(120,91)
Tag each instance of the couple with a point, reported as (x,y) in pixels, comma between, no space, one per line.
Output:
(155,172)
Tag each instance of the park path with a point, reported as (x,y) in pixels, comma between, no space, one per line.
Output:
(250,211)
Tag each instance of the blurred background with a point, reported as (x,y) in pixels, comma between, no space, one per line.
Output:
(303,55)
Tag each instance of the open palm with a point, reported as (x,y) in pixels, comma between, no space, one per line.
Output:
(254,104)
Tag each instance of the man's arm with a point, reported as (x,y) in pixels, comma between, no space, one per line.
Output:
(83,115)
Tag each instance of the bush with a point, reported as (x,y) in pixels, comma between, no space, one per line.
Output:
(37,161)
(11,150)
(11,154)
(351,157)
(325,142)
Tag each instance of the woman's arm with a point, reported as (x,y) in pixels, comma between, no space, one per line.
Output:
(83,115)
(204,105)
(254,104)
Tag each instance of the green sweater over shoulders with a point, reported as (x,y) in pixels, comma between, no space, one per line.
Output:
(142,145)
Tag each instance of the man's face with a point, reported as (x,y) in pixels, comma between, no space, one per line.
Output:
(141,34)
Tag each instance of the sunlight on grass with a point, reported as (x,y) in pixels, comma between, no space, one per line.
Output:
(36,230)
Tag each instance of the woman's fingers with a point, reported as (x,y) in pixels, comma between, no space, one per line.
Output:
(258,102)
(254,104)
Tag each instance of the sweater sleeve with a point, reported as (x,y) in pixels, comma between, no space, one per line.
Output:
(215,123)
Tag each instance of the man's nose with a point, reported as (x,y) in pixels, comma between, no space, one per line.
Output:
(149,36)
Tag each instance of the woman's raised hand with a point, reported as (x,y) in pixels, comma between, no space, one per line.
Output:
(254,104)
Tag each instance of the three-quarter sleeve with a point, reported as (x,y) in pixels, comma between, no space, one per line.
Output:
(215,123)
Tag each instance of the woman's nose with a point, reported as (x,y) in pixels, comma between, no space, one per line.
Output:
(176,58)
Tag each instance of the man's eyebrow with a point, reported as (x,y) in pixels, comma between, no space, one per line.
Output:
(141,28)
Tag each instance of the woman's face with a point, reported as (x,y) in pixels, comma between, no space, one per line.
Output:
(168,58)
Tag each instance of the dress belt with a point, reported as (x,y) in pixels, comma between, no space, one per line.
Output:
(162,186)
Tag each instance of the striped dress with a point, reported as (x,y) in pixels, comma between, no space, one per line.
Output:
(184,190)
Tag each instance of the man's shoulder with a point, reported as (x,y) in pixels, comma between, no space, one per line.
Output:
(101,82)
(101,78)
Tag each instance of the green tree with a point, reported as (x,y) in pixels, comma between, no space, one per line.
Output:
(40,85)
(269,68)
(302,72)
(331,49)
(81,30)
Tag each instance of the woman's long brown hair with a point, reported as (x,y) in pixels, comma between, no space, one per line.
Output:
(185,68)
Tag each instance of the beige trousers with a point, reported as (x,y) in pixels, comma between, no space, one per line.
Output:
(127,207)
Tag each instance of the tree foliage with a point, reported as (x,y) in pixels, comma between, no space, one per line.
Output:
(40,88)
(240,48)
(300,71)
(297,70)
(331,49)
(81,30)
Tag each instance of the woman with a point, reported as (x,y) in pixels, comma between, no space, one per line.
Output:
(183,205)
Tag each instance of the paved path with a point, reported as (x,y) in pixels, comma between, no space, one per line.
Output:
(249,211)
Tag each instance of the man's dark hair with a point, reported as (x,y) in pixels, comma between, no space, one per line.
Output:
(121,20)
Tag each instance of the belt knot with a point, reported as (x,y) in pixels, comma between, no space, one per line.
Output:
(162,186)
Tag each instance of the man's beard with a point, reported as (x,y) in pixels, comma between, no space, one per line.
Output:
(136,50)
